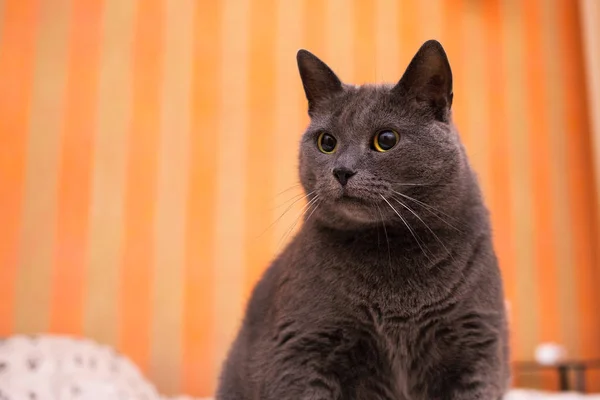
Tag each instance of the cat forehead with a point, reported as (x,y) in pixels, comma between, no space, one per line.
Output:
(360,105)
(366,92)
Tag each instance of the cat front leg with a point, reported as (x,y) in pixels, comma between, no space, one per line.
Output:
(329,364)
(466,360)
(323,387)
(465,380)
(298,382)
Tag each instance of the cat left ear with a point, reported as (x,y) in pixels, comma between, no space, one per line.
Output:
(428,80)
(319,81)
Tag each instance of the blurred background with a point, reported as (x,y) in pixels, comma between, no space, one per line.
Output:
(147,146)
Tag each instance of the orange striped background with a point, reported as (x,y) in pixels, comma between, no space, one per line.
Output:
(146,147)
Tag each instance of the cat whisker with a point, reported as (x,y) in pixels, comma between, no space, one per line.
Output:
(410,184)
(305,209)
(294,197)
(287,190)
(431,209)
(387,239)
(423,222)
(422,203)
(300,196)
(407,225)
(313,211)
(285,212)
(375,216)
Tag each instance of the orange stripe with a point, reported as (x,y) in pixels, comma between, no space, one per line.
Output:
(541,190)
(430,19)
(387,41)
(231,184)
(541,160)
(17,51)
(166,359)
(339,25)
(589,13)
(198,335)
(517,135)
(499,201)
(364,42)
(75,169)
(38,226)
(580,176)
(566,294)
(1,19)
(261,137)
(314,35)
(410,37)
(141,184)
(104,254)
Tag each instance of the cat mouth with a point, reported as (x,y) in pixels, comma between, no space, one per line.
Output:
(352,206)
(358,194)
(349,199)
(352,199)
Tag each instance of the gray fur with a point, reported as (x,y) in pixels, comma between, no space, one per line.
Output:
(359,306)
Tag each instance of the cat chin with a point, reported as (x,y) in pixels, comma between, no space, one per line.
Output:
(352,211)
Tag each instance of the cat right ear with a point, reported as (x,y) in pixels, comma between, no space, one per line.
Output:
(428,80)
(319,81)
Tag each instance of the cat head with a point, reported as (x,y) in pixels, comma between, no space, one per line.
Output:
(367,146)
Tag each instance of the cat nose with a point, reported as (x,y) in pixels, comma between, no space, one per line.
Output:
(343,174)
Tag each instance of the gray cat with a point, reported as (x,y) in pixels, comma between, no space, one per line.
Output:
(391,289)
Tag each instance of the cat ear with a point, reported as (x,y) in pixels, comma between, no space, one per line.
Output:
(428,79)
(319,81)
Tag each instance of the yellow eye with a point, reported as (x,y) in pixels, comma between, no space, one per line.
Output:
(385,140)
(326,143)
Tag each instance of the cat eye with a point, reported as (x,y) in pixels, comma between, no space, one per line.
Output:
(326,143)
(385,140)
